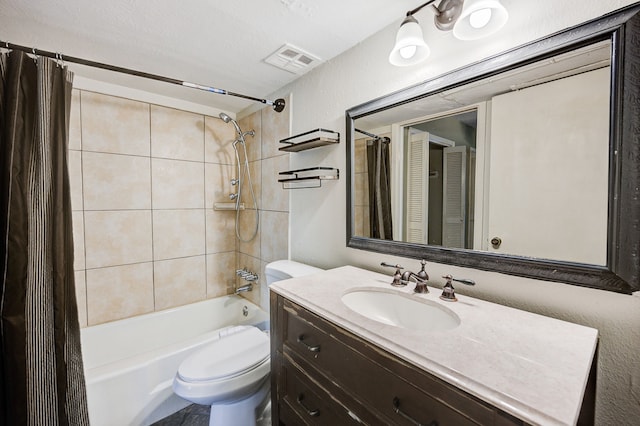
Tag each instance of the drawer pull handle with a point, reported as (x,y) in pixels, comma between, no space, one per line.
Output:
(396,409)
(314,348)
(312,413)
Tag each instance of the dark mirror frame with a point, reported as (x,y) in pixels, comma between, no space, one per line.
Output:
(622,272)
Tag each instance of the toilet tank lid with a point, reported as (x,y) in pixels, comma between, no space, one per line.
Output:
(227,357)
(290,268)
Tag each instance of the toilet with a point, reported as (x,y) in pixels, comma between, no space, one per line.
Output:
(231,374)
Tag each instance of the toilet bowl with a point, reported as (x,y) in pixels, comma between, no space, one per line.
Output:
(231,374)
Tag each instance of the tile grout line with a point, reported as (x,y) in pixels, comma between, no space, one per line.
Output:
(84,229)
(153,255)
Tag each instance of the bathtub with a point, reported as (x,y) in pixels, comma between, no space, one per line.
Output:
(130,364)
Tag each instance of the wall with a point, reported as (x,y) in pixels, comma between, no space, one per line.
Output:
(144,179)
(272,241)
(318,220)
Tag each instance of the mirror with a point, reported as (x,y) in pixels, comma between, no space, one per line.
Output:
(510,164)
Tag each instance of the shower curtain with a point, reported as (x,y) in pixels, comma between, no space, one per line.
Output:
(379,189)
(41,375)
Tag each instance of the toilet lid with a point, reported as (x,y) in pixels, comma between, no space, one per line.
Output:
(227,356)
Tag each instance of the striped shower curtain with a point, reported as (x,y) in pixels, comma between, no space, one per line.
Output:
(379,175)
(41,372)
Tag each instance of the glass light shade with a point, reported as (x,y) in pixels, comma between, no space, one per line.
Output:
(480,18)
(410,47)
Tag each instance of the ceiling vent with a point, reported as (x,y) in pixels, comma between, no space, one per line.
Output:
(293,59)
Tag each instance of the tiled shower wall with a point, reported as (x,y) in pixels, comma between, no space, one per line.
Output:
(144,179)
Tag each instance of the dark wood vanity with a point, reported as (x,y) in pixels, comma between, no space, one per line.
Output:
(325,375)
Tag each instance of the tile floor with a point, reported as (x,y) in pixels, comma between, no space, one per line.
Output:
(198,415)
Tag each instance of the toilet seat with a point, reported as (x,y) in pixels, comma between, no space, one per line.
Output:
(227,357)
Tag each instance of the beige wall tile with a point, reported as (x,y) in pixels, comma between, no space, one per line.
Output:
(248,219)
(119,292)
(221,234)
(75,127)
(221,274)
(255,170)
(178,233)
(217,183)
(117,237)
(253,143)
(361,187)
(178,282)
(177,184)
(176,134)
(218,141)
(359,221)
(360,156)
(275,126)
(115,125)
(274,197)
(78,240)
(81,297)
(275,235)
(75,179)
(193,248)
(116,182)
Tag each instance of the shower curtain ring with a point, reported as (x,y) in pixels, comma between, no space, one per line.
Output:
(35,55)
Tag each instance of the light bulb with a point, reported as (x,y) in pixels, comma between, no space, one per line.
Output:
(408,51)
(480,18)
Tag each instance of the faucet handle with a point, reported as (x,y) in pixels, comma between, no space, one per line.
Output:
(422,273)
(389,265)
(448,292)
(464,281)
(397,276)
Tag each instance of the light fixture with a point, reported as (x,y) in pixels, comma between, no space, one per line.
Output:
(469,19)
(410,47)
(480,18)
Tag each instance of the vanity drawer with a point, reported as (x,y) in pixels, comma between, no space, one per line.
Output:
(304,402)
(376,379)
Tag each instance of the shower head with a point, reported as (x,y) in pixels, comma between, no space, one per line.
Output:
(225,117)
(228,119)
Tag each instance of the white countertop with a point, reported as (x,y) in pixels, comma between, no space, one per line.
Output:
(531,366)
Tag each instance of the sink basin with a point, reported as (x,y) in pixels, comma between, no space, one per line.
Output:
(401,310)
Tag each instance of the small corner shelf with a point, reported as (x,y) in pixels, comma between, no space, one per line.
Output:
(311,139)
(311,177)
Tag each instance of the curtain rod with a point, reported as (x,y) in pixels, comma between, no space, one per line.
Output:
(278,105)
(371,135)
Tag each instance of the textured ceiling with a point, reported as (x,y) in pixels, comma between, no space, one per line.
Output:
(214,43)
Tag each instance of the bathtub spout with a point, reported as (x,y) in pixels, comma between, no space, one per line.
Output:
(243,288)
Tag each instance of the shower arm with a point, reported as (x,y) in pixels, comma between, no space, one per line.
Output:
(278,105)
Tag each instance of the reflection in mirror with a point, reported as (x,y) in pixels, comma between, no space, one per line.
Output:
(507,164)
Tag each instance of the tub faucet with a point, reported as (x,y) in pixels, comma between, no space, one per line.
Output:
(244,288)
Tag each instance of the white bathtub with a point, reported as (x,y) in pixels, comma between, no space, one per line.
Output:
(129,364)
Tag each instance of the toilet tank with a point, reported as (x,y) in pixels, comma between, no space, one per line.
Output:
(285,269)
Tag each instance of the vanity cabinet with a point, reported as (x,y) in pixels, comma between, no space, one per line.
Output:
(325,375)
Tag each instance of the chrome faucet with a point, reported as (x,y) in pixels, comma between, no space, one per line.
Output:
(402,279)
(247,275)
(448,292)
(244,288)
